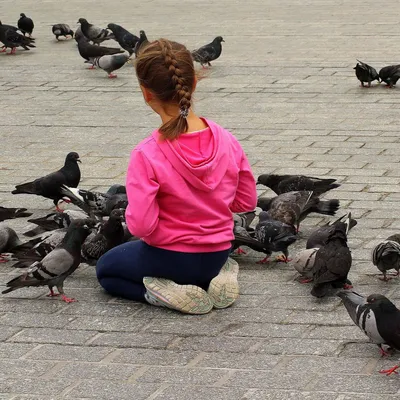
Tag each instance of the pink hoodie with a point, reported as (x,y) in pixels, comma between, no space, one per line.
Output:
(182,193)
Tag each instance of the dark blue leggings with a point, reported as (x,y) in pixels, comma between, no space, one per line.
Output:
(121,270)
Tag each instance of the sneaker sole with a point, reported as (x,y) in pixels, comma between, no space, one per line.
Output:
(224,288)
(188,299)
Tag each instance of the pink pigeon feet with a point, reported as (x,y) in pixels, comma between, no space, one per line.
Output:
(390,371)
(52,294)
(111,76)
(12,52)
(384,353)
(263,261)
(282,258)
(2,259)
(347,286)
(239,251)
(67,299)
(92,67)
(4,49)
(305,280)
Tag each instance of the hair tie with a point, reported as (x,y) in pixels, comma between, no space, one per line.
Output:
(184,112)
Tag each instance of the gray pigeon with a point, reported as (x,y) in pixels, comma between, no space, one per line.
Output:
(386,256)
(242,220)
(111,234)
(57,265)
(377,317)
(12,39)
(110,63)
(80,36)
(8,240)
(94,33)
(209,52)
(11,213)
(89,51)
(390,75)
(293,207)
(366,73)
(62,30)
(97,203)
(141,43)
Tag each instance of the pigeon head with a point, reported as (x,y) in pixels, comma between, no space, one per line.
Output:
(118,214)
(112,27)
(263,216)
(73,157)
(382,303)
(219,39)
(22,15)
(264,203)
(143,34)
(82,21)
(268,179)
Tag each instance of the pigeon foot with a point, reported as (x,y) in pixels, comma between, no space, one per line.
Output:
(305,280)
(92,67)
(12,52)
(67,299)
(263,261)
(347,286)
(390,371)
(282,258)
(4,49)
(385,278)
(52,294)
(240,251)
(111,76)
(384,353)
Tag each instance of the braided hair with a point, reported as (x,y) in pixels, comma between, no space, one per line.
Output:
(166,68)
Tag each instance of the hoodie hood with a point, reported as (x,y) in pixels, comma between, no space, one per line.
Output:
(201,158)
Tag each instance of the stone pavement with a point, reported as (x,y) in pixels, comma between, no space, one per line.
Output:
(285,86)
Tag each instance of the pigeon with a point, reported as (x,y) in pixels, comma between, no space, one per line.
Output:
(366,73)
(242,220)
(11,213)
(386,256)
(57,265)
(390,75)
(80,36)
(49,185)
(305,259)
(293,207)
(110,234)
(377,317)
(54,221)
(8,240)
(110,63)
(143,41)
(124,38)
(94,33)
(90,52)
(293,183)
(25,24)
(319,237)
(12,39)
(97,203)
(269,236)
(332,262)
(209,52)
(35,249)
(62,30)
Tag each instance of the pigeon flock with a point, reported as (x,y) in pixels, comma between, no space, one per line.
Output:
(62,240)
(89,37)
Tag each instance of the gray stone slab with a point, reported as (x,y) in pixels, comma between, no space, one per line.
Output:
(174,392)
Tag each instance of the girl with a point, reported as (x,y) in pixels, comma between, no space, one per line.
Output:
(183,183)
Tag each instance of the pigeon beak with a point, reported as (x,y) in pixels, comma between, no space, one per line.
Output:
(79,161)
(223,40)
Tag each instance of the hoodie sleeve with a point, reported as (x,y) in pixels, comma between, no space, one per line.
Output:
(246,192)
(142,213)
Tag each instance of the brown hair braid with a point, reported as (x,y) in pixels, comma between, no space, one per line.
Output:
(166,68)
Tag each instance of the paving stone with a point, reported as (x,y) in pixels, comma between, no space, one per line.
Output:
(291,346)
(289,395)
(269,330)
(123,339)
(174,392)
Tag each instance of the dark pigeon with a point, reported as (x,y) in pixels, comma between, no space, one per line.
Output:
(57,265)
(110,63)
(111,234)
(210,52)
(377,317)
(25,24)
(386,256)
(54,221)
(390,75)
(97,203)
(293,207)
(294,183)
(11,213)
(80,36)
(49,185)
(141,43)
(124,38)
(332,262)
(8,240)
(94,33)
(319,237)
(62,30)
(366,73)
(89,51)
(12,39)
(269,236)
(241,224)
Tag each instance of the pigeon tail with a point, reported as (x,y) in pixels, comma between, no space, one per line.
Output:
(28,188)
(326,207)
